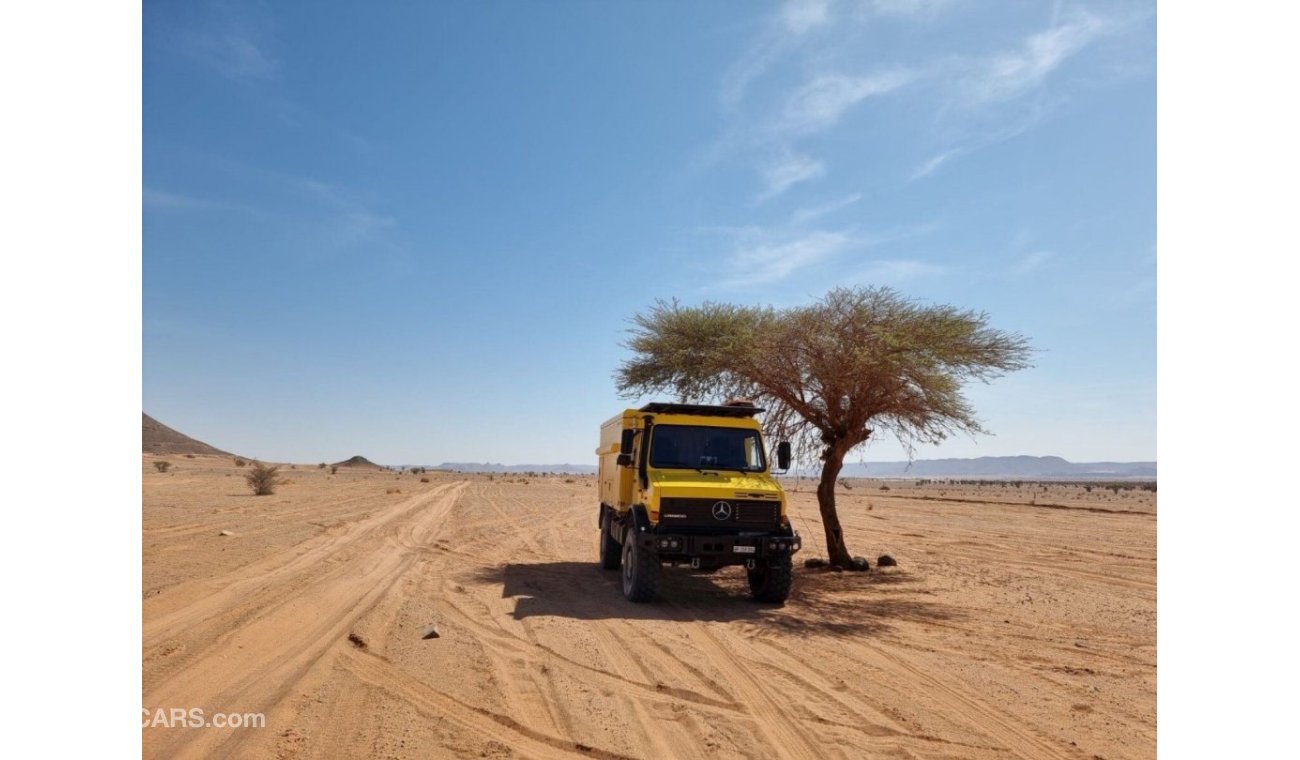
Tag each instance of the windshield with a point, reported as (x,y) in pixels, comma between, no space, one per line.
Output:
(700,447)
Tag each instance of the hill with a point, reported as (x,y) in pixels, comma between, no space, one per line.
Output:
(981,467)
(1001,467)
(157,438)
(571,469)
(359,462)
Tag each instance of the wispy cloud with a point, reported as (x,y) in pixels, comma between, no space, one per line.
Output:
(1030,262)
(1012,73)
(162,200)
(788,171)
(757,262)
(767,255)
(929,167)
(331,215)
(802,16)
(891,271)
(350,221)
(811,213)
(905,7)
(820,102)
(233,40)
(781,32)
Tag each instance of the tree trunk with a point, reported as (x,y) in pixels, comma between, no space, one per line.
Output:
(837,553)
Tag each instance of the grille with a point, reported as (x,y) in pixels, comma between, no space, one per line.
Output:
(700,513)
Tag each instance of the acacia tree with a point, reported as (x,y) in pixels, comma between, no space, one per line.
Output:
(832,374)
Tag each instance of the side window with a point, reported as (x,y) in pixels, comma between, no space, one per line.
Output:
(752,458)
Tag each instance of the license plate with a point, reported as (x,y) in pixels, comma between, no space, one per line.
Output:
(743,549)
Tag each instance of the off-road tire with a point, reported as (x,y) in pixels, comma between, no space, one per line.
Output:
(640,571)
(771,582)
(611,552)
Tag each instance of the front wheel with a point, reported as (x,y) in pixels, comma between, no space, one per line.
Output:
(771,582)
(640,571)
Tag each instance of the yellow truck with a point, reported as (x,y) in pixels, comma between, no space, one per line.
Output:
(691,485)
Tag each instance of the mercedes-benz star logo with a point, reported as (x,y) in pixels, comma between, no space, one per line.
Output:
(721,510)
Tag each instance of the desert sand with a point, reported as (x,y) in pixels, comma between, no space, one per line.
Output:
(1008,628)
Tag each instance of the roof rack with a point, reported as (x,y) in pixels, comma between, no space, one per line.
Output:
(730,410)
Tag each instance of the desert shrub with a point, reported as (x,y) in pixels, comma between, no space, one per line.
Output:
(263,479)
(239,462)
(321,466)
(884,488)
(1088,489)
(424,480)
(162,466)
(189,456)
(393,490)
(569,480)
(334,468)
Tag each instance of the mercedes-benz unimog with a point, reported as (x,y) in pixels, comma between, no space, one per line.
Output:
(691,485)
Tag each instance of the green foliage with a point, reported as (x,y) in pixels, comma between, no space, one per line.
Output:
(831,374)
(263,479)
(855,361)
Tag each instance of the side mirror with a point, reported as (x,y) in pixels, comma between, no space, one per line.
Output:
(624,460)
(783,455)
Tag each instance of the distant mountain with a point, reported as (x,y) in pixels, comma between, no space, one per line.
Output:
(572,469)
(360,462)
(157,438)
(1000,467)
(981,467)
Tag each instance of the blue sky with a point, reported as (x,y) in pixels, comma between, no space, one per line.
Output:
(416,231)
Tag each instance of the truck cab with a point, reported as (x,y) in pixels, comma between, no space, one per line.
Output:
(692,485)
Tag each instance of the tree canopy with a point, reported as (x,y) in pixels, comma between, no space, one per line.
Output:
(831,374)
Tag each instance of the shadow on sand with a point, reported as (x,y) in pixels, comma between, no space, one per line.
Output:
(822,602)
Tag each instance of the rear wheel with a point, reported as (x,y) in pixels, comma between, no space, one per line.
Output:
(771,582)
(610,550)
(640,571)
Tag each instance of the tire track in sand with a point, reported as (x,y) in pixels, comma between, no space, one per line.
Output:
(252,582)
(255,667)
(381,674)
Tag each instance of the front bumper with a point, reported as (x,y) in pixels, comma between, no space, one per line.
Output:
(725,549)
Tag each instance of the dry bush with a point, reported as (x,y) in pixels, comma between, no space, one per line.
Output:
(263,479)
(321,466)
(393,490)
(334,469)
(424,480)
(162,466)
(240,462)
(189,456)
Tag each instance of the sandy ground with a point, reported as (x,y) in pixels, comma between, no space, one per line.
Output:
(1007,630)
